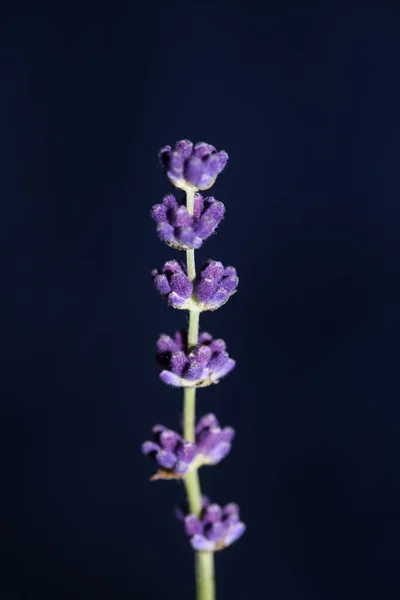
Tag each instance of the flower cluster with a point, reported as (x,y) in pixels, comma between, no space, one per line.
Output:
(215,528)
(212,287)
(200,366)
(182,231)
(175,456)
(215,284)
(189,359)
(192,166)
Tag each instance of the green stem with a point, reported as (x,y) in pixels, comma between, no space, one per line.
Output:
(205,579)
(205,584)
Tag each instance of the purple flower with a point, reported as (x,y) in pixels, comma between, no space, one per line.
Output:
(200,366)
(175,456)
(215,284)
(215,529)
(212,443)
(173,283)
(178,229)
(189,166)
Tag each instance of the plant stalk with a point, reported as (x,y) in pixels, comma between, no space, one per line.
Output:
(204,561)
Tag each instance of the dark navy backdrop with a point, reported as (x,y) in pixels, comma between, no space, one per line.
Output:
(306,101)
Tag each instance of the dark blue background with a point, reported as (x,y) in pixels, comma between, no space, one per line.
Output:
(305,99)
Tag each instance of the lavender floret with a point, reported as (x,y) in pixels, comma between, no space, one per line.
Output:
(189,166)
(181,231)
(213,443)
(173,283)
(215,529)
(215,284)
(200,366)
(175,456)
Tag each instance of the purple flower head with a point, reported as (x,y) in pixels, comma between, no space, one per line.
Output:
(182,231)
(215,284)
(175,456)
(215,529)
(200,366)
(189,166)
(213,443)
(173,283)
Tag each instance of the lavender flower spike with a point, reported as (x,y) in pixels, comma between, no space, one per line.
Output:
(182,231)
(214,285)
(189,166)
(190,359)
(201,366)
(215,528)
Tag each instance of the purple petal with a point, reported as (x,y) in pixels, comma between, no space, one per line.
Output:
(212,514)
(202,354)
(223,159)
(176,164)
(207,421)
(220,452)
(176,301)
(162,285)
(213,166)
(208,439)
(216,210)
(185,147)
(181,467)
(205,226)
(234,533)
(157,429)
(199,542)
(170,202)
(166,344)
(194,170)
(224,369)
(149,447)
(166,459)
(230,283)
(182,218)
(220,297)
(202,149)
(187,236)
(205,289)
(214,531)
(194,371)
(178,362)
(218,345)
(227,434)
(170,378)
(198,205)
(166,232)
(193,525)
(171,267)
(230,512)
(186,451)
(169,440)
(181,285)
(159,213)
(205,338)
